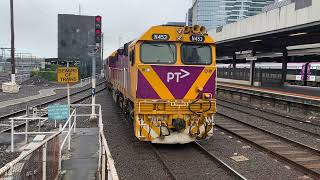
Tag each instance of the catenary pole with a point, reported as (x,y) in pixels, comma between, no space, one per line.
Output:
(13,63)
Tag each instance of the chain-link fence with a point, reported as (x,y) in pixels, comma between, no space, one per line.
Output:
(41,162)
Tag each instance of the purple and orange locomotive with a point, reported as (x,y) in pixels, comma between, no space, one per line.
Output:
(165,81)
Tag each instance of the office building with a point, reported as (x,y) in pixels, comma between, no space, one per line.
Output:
(215,13)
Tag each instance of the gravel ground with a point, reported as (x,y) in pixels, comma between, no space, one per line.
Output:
(273,117)
(133,159)
(188,162)
(296,135)
(25,91)
(259,165)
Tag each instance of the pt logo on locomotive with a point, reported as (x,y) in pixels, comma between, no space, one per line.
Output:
(177,76)
(160,37)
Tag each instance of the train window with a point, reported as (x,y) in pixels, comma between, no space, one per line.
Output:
(158,53)
(196,54)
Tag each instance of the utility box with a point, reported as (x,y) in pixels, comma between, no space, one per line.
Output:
(10,87)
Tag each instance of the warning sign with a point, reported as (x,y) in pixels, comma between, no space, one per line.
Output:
(68,75)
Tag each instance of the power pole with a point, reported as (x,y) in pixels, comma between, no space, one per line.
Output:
(13,63)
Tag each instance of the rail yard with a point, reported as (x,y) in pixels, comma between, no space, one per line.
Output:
(223,90)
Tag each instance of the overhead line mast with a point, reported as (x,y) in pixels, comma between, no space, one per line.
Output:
(13,63)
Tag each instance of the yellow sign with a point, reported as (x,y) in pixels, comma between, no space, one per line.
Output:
(68,75)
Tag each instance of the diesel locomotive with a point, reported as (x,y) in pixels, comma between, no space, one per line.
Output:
(165,81)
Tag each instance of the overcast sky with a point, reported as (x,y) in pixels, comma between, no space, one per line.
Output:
(36,20)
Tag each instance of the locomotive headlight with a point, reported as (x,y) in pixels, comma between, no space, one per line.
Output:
(207,95)
(148,69)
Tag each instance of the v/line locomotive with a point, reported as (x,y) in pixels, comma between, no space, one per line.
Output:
(165,81)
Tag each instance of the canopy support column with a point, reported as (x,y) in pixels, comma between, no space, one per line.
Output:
(284,66)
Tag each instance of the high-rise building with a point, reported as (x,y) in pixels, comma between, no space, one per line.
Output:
(299,4)
(215,13)
(209,13)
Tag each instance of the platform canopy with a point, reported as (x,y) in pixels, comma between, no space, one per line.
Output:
(272,31)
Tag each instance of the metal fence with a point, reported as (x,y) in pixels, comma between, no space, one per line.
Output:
(41,162)
(44,159)
(106,167)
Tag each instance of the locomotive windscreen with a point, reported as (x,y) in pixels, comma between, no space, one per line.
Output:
(158,53)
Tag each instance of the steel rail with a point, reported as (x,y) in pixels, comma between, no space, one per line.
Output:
(160,157)
(270,112)
(207,153)
(215,158)
(270,120)
(273,152)
(45,103)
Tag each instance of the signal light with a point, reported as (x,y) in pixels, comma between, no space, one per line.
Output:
(98,18)
(98,32)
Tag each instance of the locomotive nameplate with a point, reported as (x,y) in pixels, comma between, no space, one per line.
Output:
(197,38)
(160,37)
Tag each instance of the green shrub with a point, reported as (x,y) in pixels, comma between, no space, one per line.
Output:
(34,73)
(48,75)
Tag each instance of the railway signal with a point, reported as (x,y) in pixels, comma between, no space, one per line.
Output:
(98,32)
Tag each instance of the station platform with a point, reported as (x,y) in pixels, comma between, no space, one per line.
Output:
(82,161)
(296,94)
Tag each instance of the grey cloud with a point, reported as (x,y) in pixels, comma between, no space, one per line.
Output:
(36,20)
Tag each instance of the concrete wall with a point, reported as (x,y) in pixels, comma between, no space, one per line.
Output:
(267,102)
(284,17)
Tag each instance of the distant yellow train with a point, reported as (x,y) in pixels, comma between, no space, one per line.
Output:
(166,82)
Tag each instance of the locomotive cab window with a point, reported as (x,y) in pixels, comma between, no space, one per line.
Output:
(158,53)
(196,54)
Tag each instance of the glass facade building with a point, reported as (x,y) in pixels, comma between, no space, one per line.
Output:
(215,13)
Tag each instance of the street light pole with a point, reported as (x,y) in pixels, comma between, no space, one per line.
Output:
(13,63)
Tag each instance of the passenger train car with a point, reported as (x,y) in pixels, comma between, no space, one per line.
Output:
(297,73)
(165,81)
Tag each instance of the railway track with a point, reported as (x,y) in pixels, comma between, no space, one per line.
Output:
(301,156)
(4,120)
(192,161)
(306,128)
(266,111)
(20,111)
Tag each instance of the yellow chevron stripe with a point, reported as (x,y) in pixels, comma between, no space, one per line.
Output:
(156,83)
(154,132)
(199,83)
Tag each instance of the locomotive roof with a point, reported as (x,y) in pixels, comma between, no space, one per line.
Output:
(172,33)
